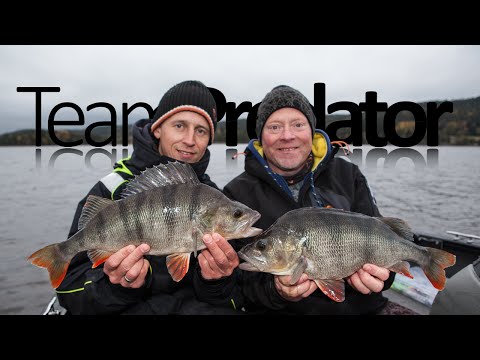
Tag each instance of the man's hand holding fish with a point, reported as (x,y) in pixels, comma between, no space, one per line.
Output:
(128,267)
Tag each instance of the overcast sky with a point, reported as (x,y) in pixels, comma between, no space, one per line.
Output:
(130,74)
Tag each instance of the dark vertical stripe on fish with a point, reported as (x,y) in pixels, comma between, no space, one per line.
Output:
(80,240)
(124,216)
(102,224)
(153,214)
(369,246)
(169,198)
(194,204)
(138,215)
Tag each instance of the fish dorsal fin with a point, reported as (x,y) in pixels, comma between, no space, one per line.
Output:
(92,206)
(161,175)
(399,226)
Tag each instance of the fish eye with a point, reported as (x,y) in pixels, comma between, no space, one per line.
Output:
(261,245)
(237,213)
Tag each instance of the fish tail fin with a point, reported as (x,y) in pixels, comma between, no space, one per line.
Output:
(51,258)
(434,269)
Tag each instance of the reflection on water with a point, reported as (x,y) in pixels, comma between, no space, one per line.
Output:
(434,189)
(372,159)
(88,162)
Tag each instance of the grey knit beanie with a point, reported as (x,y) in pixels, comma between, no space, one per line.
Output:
(280,97)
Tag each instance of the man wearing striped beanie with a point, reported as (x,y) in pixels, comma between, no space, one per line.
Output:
(131,281)
(185,120)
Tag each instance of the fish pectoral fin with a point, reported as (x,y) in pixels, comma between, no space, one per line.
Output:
(334,289)
(197,235)
(298,271)
(402,267)
(98,257)
(177,265)
(198,230)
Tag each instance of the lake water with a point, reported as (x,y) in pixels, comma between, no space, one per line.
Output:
(434,189)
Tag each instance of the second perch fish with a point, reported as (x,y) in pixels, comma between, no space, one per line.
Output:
(329,245)
(165,207)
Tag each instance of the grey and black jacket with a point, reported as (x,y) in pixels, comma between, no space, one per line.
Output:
(333,182)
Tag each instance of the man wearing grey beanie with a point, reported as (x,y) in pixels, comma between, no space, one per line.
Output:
(291,165)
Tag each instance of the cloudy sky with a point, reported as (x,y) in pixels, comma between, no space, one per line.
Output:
(130,74)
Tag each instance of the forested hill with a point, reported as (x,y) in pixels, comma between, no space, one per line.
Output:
(462,127)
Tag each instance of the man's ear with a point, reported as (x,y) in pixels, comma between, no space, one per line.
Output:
(157,132)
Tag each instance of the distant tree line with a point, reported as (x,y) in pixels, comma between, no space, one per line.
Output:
(462,127)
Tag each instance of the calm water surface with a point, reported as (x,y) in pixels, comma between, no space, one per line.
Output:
(434,189)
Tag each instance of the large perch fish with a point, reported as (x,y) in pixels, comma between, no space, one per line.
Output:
(165,207)
(329,245)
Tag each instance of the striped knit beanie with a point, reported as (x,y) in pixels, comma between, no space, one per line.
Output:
(187,96)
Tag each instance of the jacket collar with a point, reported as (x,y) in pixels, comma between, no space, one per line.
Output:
(256,165)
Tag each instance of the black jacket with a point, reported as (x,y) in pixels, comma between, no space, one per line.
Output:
(333,182)
(89,291)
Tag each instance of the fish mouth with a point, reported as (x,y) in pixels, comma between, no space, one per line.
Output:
(256,216)
(249,230)
(254,219)
(248,267)
(242,255)
(252,231)
(250,264)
